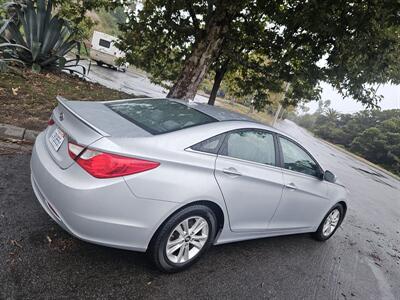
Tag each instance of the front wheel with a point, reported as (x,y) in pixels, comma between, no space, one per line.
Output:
(330,223)
(181,240)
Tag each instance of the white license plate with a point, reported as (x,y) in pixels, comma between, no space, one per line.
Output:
(57,138)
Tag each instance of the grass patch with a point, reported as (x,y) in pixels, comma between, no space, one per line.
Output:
(27,99)
(262,116)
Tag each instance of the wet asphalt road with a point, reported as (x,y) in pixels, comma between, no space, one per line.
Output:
(362,261)
(131,82)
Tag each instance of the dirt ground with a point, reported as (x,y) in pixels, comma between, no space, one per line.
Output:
(27,98)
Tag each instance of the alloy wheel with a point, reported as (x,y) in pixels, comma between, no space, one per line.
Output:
(187,239)
(331,222)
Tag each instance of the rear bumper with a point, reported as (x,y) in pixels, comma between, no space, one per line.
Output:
(101,211)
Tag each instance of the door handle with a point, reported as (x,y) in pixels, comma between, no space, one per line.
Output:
(291,186)
(231,171)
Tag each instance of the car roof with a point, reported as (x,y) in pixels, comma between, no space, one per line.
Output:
(219,113)
(222,114)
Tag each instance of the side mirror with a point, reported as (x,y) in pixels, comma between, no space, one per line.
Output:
(329,176)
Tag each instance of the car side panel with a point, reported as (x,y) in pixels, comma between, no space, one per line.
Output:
(304,202)
(251,197)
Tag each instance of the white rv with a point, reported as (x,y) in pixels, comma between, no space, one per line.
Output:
(104,52)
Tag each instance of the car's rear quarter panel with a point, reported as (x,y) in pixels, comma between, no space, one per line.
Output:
(102,211)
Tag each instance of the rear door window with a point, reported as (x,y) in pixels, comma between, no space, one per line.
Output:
(159,116)
(251,145)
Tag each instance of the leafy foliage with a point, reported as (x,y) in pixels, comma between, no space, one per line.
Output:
(76,11)
(352,45)
(5,59)
(37,38)
(373,134)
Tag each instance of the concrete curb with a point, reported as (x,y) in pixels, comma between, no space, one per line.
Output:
(17,133)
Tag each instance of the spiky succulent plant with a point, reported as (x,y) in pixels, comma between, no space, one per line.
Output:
(35,37)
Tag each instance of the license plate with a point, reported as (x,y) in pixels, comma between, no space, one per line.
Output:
(57,138)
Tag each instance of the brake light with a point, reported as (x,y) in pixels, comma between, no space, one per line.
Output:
(50,121)
(107,165)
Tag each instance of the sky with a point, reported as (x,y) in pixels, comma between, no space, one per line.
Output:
(390,93)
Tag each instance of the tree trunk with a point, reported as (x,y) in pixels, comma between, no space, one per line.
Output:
(202,56)
(219,75)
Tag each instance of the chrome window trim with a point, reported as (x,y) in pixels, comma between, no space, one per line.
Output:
(249,162)
(300,174)
(189,149)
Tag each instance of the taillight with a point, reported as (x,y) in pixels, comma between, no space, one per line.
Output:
(50,121)
(107,165)
(74,150)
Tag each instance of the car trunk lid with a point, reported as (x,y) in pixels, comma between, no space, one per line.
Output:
(83,123)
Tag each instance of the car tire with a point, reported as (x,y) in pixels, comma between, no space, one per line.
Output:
(99,63)
(176,244)
(330,223)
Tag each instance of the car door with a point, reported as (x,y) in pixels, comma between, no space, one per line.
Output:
(304,199)
(249,179)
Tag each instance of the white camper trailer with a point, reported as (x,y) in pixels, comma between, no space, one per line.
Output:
(104,52)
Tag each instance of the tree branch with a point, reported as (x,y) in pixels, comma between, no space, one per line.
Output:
(210,4)
(192,13)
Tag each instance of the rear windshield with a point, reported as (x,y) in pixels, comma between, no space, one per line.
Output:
(160,115)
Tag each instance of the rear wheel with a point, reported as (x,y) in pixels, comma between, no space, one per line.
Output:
(99,63)
(330,223)
(181,240)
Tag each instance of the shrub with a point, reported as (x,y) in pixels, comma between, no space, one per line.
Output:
(38,39)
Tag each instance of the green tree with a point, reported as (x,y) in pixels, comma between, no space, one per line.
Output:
(370,144)
(373,134)
(391,129)
(76,12)
(181,40)
(307,121)
(381,144)
(332,115)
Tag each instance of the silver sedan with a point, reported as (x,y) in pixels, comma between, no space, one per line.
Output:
(173,178)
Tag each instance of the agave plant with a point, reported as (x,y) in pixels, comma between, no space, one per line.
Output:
(5,57)
(36,38)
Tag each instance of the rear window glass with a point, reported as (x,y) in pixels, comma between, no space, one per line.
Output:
(211,145)
(160,115)
(104,43)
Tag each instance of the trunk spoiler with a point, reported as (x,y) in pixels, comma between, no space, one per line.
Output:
(64,103)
